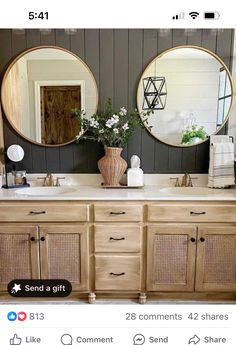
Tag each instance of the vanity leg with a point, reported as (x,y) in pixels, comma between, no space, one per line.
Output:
(91,297)
(142,298)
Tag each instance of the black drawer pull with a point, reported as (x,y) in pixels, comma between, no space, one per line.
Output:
(32,238)
(197,213)
(117,213)
(42,238)
(117,239)
(37,212)
(202,239)
(192,239)
(117,274)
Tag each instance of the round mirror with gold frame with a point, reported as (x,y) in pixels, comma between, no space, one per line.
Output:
(190,92)
(39,90)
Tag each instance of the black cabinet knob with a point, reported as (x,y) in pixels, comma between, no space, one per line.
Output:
(42,238)
(192,239)
(202,239)
(32,238)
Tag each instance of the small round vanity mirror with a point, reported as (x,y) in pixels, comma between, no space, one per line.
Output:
(39,90)
(15,153)
(189,89)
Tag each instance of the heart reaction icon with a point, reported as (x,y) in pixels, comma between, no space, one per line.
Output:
(22,316)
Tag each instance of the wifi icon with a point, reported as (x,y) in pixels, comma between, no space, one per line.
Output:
(194,14)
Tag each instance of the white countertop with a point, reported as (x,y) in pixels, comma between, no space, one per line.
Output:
(146,193)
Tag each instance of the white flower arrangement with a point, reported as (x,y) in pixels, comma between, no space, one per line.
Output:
(111,128)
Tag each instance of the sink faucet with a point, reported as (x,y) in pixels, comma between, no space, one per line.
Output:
(48,180)
(186,181)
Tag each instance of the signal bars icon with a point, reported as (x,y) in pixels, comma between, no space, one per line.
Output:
(178,16)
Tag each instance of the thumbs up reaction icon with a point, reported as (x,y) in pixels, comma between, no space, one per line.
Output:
(15,340)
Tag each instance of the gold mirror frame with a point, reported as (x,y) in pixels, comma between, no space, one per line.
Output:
(230,80)
(4,80)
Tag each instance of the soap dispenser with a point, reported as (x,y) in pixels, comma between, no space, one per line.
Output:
(135,173)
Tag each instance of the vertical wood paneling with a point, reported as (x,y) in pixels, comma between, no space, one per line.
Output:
(48,38)
(66,158)
(27,147)
(92,58)
(32,38)
(202,157)
(117,59)
(174,160)
(52,159)
(194,37)
(121,71)
(150,40)
(106,66)
(209,39)
(6,50)
(224,45)
(77,43)
(10,137)
(135,68)
(62,39)
(38,159)
(92,52)
(18,43)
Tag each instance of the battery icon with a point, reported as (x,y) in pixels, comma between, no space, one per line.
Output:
(211,15)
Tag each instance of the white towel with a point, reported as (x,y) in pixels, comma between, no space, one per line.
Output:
(220,139)
(221,167)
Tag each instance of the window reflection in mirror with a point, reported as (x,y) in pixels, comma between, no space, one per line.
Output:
(198,94)
(40,89)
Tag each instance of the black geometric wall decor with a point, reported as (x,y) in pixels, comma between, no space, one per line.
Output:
(155,93)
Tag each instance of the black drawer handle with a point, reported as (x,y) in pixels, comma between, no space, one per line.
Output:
(197,213)
(117,239)
(192,239)
(42,238)
(117,274)
(37,212)
(202,239)
(32,238)
(117,213)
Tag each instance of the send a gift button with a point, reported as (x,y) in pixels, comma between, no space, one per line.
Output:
(39,288)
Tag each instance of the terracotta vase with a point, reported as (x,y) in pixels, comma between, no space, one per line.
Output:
(112,166)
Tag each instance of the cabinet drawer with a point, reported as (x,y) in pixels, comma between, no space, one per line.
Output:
(118,213)
(44,212)
(117,238)
(192,213)
(117,273)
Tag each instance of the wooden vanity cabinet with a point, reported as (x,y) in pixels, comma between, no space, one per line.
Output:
(216,258)
(171,257)
(64,253)
(19,253)
(194,254)
(47,240)
(118,247)
(122,249)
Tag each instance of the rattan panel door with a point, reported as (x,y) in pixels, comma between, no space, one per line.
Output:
(19,254)
(216,258)
(64,253)
(171,257)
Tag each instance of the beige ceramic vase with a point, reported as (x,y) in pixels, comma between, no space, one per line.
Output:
(112,166)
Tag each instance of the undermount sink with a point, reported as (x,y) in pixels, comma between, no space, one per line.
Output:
(187,191)
(45,191)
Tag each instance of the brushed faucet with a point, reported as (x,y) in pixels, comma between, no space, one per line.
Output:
(186,181)
(47,180)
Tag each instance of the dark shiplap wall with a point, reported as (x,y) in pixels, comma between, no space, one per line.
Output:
(117,59)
